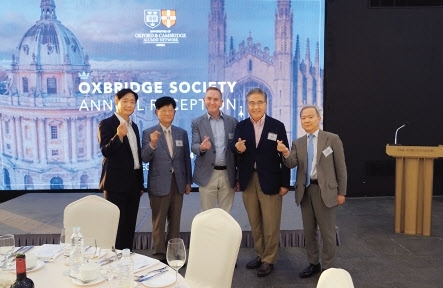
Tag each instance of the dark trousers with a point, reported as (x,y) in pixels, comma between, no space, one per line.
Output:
(128,203)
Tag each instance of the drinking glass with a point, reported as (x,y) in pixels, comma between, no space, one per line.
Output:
(89,248)
(110,273)
(176,255)
(7,245)
(65,247)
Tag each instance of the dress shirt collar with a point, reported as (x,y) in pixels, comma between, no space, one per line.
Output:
(315,133)
(164,128)
(123,120)
(260,121)
(210,116)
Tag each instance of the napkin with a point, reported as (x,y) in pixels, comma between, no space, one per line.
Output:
(142,262)
(48,251)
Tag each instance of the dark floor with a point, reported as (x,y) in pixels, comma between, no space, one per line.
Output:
(370,251)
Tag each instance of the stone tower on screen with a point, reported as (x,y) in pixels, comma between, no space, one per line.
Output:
(288,80)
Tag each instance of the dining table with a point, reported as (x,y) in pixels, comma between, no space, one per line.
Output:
(52,270)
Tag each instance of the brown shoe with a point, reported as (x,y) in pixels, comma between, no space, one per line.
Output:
(254,263)
(265,269)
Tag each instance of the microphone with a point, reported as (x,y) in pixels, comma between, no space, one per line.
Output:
(396,131)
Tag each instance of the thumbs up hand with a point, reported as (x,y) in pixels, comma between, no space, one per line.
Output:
(206,144)
(240,145)
(281,147)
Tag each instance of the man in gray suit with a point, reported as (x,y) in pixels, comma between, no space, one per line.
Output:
(214,169)
(320,186)
(169,175)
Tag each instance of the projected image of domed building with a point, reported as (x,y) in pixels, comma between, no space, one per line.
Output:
(45,138)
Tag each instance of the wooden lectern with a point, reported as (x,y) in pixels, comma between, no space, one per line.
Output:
(414,174)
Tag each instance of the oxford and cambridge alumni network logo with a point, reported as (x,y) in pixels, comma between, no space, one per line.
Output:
(153,18)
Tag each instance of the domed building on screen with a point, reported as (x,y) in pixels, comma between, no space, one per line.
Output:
(45,138)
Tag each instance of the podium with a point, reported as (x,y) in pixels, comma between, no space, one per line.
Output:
(414,172)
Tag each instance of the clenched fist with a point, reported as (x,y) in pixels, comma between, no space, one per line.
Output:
(154,136)
(122,130)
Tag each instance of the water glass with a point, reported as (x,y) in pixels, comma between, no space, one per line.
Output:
(7,245)
(89,248)
(65,246)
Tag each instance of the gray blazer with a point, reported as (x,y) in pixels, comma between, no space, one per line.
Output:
(161,163)
(331,170)
(204,162)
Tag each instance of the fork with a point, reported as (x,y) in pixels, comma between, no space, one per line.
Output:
(152,276)
(156,270)
(116,254)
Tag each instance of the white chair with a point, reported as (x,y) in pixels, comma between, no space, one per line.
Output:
(97,217)
(213,249)
(335,278)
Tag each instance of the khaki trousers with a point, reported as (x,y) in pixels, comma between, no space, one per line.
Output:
(217,190)
(264,213)
(166,209)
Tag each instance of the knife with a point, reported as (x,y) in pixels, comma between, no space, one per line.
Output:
(152,276)
(26,249)
(20,250)
(107,261)
(15,252)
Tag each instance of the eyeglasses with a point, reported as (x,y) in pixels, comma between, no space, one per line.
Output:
(258,103)
(166,111)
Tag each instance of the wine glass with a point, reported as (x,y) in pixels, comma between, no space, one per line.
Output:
(7,245)
(89,248)
(176,255)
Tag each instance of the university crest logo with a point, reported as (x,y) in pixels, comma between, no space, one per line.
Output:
(168,18)
(152,18)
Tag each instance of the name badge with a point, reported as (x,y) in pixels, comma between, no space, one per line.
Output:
(230,136)
(179,143)
(327,151)
(272,136)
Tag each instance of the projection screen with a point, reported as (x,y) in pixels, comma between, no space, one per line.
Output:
(62,61)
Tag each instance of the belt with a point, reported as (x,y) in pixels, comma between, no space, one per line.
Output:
(314,181)
(219,167)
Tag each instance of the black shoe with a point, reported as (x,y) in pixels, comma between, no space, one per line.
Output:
(265,269)
(254,264)
(310,270)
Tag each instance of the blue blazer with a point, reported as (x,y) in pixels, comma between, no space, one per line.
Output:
(161,163)
(272,174)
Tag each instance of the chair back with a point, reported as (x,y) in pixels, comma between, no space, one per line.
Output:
(213,249)
(335,278)
(97,217)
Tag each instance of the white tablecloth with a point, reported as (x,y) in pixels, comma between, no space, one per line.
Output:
(50,275)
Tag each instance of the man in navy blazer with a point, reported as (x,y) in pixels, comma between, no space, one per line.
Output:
(263,178)
(319,188)
(122,178)
(214,169)
(169,175)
